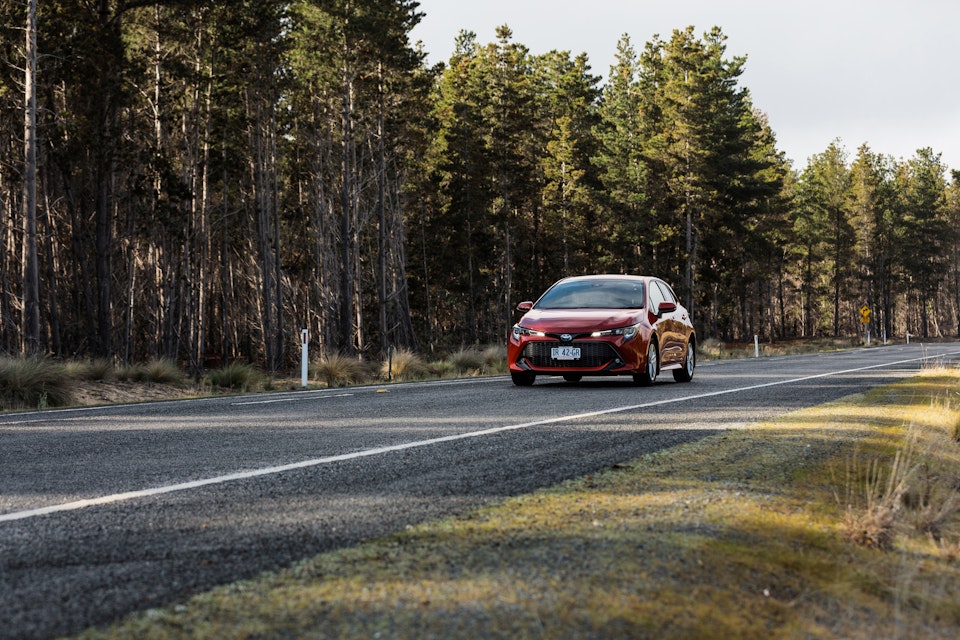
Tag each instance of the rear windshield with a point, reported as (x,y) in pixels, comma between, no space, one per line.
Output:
(593,294)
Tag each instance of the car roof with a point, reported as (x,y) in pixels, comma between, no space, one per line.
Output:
(607,276)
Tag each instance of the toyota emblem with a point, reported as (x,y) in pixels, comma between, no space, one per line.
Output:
(565,337)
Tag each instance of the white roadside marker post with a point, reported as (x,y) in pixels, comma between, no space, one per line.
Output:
(304,339)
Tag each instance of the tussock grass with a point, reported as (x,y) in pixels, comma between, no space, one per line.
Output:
(874,500)
(467,361)
(495,359)
(738,535)
(714,349)
(336,370)
(474,361)
(96,369)
(404,365)
(237,376)
(158,371)
(33,383)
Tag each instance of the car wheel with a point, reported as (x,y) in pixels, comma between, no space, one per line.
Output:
(685,373)
(649,375)
(523,378)
(572,377)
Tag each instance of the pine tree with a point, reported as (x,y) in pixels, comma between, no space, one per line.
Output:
(564,234)
(625,241)
(823,225)
(697,150)
(924,232)
(872,207)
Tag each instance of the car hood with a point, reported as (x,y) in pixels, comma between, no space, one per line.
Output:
(580,320)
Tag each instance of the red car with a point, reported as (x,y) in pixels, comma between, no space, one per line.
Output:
(603,325)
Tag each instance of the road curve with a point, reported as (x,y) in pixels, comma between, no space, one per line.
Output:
(105,511)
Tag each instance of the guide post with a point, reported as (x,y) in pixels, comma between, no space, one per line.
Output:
(304,340)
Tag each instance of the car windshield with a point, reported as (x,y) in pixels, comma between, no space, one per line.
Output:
(594,294)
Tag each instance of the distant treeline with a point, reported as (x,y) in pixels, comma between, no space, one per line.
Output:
(213,177)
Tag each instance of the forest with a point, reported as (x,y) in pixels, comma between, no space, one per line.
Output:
(200,181)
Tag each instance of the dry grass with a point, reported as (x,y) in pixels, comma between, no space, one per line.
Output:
(874,500)
(33,383)
(337,370)
(158,371)
(737,535)
(404,364)
(475,361)
(714,349)
(238,376)
(28,384)
(96,369)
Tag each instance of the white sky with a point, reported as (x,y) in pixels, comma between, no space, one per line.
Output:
(884,72)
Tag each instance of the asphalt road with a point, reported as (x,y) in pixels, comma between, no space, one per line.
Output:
(110,510)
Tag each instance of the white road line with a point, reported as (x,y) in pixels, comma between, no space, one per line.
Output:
(246,475)
(297,399)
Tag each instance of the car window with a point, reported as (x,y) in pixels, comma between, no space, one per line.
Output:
(656,296)
(593,294)
(668,294)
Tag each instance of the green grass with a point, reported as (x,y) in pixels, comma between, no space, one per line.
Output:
(742,534)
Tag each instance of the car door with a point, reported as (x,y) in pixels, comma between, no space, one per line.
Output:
(672,348)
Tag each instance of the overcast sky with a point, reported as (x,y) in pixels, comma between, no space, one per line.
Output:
(884,72)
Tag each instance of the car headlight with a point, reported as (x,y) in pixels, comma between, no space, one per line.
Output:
(523,331)
(628,333)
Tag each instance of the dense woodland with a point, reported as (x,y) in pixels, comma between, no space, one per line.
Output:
(212,177)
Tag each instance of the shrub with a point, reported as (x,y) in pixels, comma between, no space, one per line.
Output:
(33,383)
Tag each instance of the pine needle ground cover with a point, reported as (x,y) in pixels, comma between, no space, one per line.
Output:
(753,533)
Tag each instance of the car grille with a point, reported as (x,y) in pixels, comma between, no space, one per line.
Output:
(592,354)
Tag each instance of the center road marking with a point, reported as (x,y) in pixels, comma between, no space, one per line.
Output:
(294,399)
(366,453)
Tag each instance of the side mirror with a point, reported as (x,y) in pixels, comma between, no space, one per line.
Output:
(666,307)
(523,307)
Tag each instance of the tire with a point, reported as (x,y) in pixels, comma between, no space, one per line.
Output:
(572,377)
(685,373)
(652,367)
(523,378)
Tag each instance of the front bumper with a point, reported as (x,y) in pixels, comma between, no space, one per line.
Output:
(597,357)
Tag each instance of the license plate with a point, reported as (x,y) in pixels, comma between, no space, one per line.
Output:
(565,353)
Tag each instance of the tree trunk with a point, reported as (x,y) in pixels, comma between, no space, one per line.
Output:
(31,275)
(381,216)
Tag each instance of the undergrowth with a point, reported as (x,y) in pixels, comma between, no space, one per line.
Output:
(44,382)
